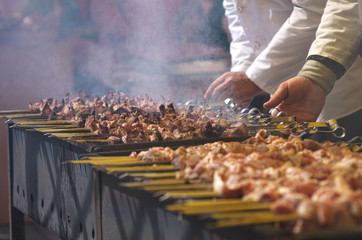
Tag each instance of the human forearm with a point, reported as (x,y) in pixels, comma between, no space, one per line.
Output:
(337,36)
(242,54)
(286,53)
(334,49)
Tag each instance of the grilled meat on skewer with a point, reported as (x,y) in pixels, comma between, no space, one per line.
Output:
(320,182)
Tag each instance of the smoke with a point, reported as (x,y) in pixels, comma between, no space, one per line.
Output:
(131,46)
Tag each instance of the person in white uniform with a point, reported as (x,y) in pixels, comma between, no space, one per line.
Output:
(304,52)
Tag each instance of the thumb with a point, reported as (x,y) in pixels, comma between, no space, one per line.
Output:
(280,94)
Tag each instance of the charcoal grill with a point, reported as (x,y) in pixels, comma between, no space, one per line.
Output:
(77,202)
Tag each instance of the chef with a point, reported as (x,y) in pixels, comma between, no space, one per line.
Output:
(303,52)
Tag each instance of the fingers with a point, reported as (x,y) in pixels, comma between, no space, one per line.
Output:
(278,97)
(222,91)
(210,91)
(232,84)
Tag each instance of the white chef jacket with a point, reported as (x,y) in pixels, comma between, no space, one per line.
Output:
(272,38)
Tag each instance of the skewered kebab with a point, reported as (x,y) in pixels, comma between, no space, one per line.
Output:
(115,118)
(131,120)
(321,183)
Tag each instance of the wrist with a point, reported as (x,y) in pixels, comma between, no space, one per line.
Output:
(320,74)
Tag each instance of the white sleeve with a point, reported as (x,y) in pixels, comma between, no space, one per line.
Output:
(242,53)
(338,34)
(287,51)
(338,43)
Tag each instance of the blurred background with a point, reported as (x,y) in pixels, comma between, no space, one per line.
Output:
(168,49)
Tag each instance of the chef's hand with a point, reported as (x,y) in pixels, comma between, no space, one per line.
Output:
(234,85)
(300,97)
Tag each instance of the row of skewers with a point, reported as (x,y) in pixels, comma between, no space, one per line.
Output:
(169,182)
